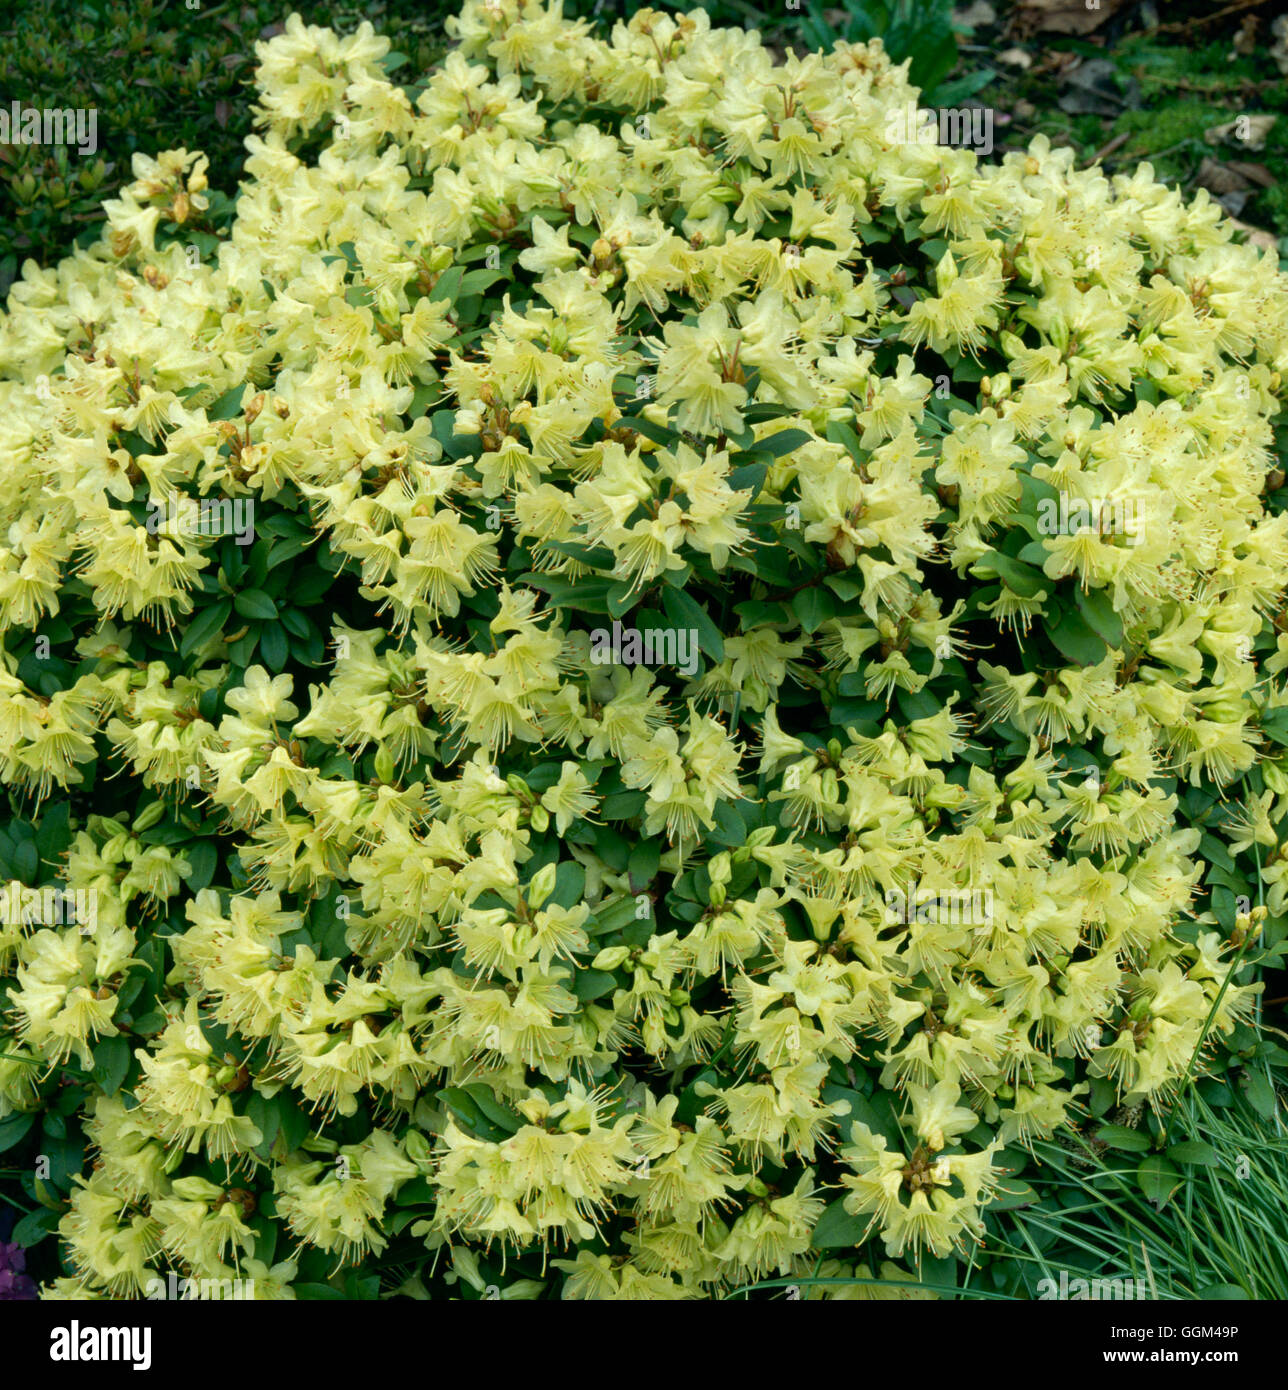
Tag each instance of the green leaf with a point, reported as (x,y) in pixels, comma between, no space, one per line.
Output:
(1260,1093)
(1195,1152)
(111,1062)
(750,477)
(285,549)
(589,595)
(204,626)
(448,284)
(34,1227)
(417,1192)
(476,281)
(781,444)
(731,831)
(592,984)
(1097,610)
(838,1230)
(274,646)
(843,587)
(659,434)
(1023,580)
(758,414)
(642,866)
(293,1124)
(960,89)
(53,834)
(842,434)
(295,622)
(812,607)
(623,806)
(203,856)
(13,1129)
(877,1113)
(264,1115)
(1120,1137)
(615,916)
(596,556)
(612,848)
(498,1113)
(228,405)
(1076,641)
(1103,1095)
(467,1112)
(1013,1195)
(255,603)
(685,611)
(570,884)
(26,861)
(1158,1179)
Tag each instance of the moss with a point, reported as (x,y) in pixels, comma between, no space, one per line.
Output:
(1184,83)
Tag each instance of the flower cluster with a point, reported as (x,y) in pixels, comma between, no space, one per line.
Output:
(417,926)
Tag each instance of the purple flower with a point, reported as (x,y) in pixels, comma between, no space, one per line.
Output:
(14,1284)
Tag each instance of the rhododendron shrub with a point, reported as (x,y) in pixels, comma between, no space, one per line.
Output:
(616,678)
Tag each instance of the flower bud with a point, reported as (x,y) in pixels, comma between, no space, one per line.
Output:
(384,765)
(418,1148)
(521,1289)
(466,1264)
(114,850)
(541,885)
(149,816)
